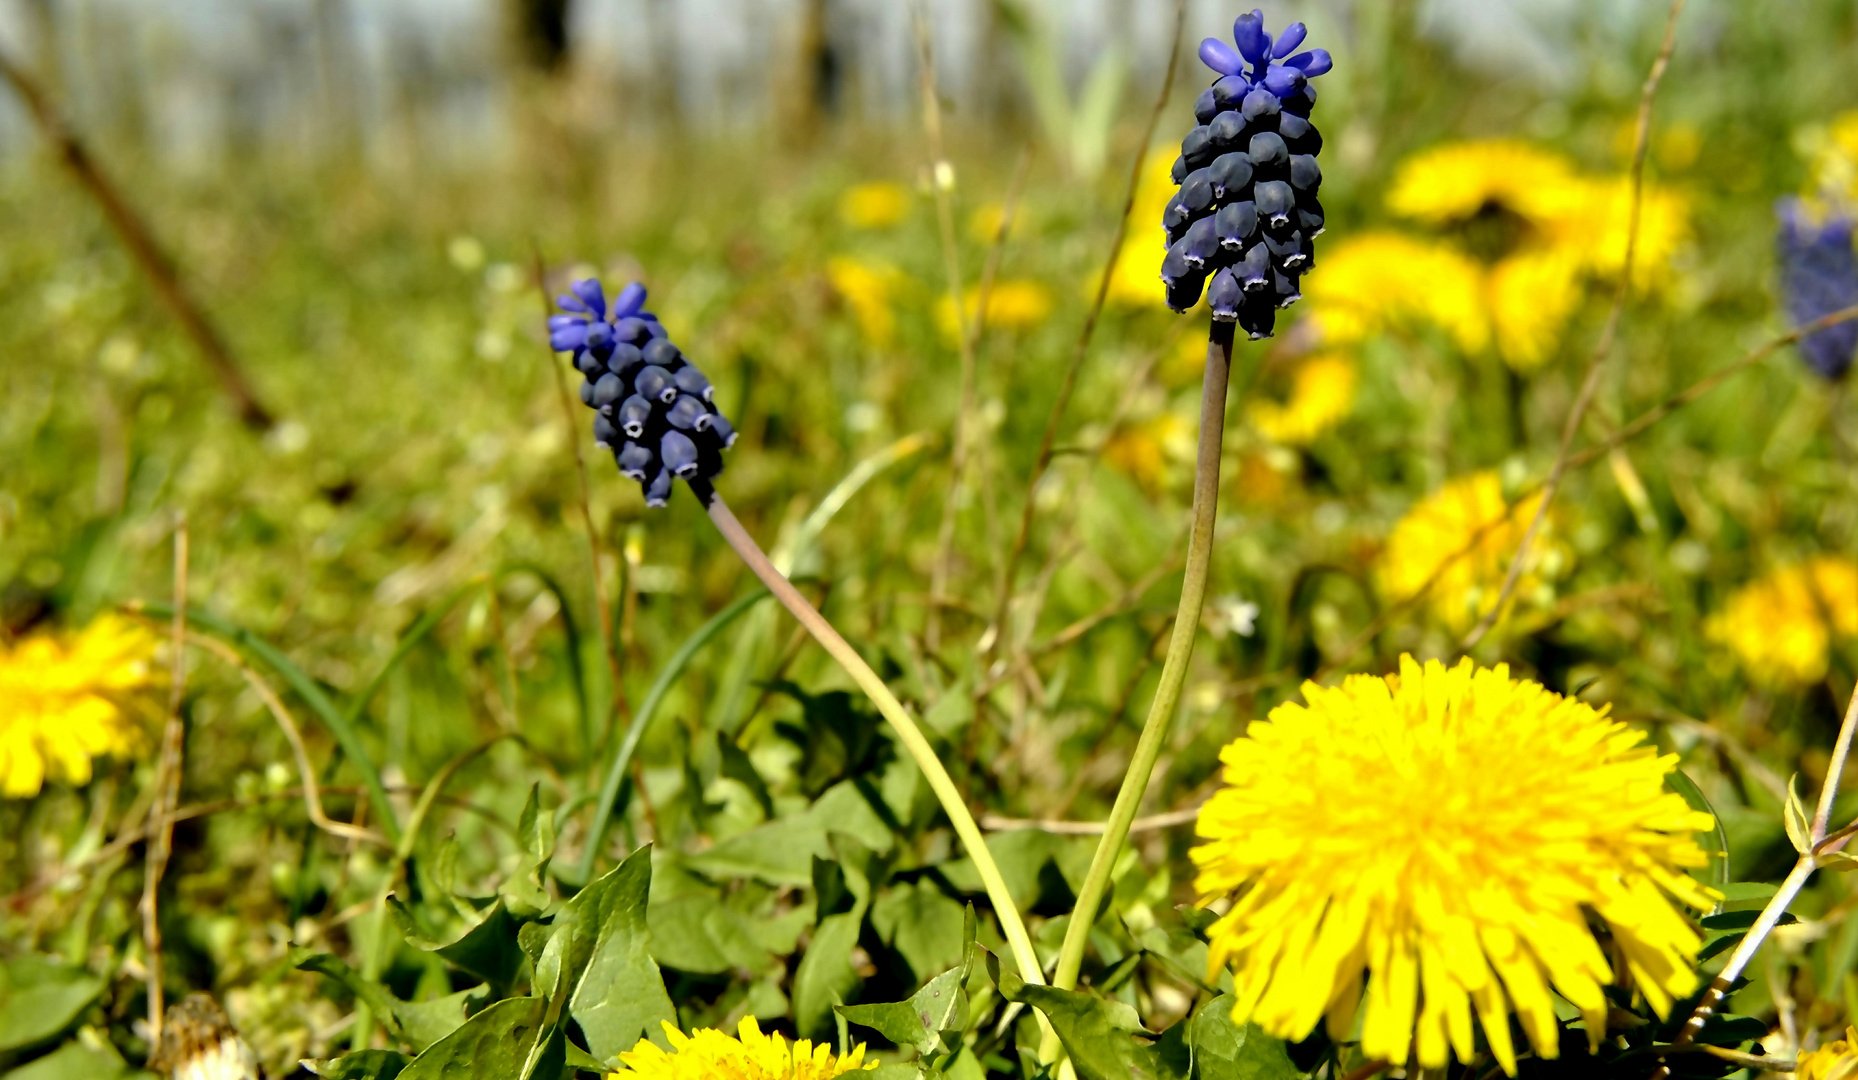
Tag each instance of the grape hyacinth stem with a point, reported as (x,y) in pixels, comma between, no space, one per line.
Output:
(1174,669)
(900,721)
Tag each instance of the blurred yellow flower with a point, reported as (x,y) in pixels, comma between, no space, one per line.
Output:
(1322,392)
(1525,232)
(984,222)
(1835,165)
(1490,820)
(1377,280)
(1837,1060)
(869,288)
(1781,627)
(1135,277)
(876,205)
(708,1054)
(1011,305)
(1146,450)
(1444,523)
(66,699)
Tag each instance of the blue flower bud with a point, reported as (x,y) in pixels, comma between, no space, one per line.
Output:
(1258,315)
(1201,243)
(588,291)
(588,364)
(1275,201)
(1197,147)
(1224,295)
(1235,223)
(1226,129)
(1305,174)
(599,336)
(587,394)
(631,330)
(678,453)
(571,335)
(688,414)
(1282,251)
(1311,220)
(1179,171)
(1283,81)
(1288,41)
(625,361)
(1175,215)
(1197,192)
(1254,270)
(1205,108)
(605,434)
(661,352)
(1819,275)
(653,383)
(1248,32)
(629,302)
(607,390)
(722,430)
(1313,63)
(1185,293)
(1230,173)
(1287,293)
(1175,268)
(635,462)
(1228,92)
(1267,150)
(633,414)
(1260,104)
(659,492)
(691,381)
(1219,56)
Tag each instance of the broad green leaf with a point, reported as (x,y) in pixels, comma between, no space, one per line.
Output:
(1103,1038)
(40,998)
(781,852)
(1021,855)
(1223,1050)
(599,960)
(362,1065)
(493,1045)
(701,935)
(88,1057)
(825,976)
(1747,891)
(419,1023)
(734,764)
(921,923)
(490,949)
(576,1058)
(525,893)
(1741,920)
(940,1006)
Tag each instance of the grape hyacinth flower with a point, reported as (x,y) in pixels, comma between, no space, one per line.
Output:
(654,406)
(1819,275)
(1243,225)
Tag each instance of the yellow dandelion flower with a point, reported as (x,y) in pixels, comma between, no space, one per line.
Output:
(708,1054)
(65,700)
(1011,305)
(1135,277)
(1835,164)
(1322,392)
(1374,281)
(1440,526)
(1457,181)
(1781,627)
(1442,835)
(869,288)
(1598,228)
(877,205)
(1146,450)
(1837,1060)
(1531,296)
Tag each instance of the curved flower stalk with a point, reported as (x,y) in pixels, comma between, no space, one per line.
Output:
(1245,217)
(655,414)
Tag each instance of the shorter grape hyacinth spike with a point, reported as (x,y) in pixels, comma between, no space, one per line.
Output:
(1249,172)
(654,409)
(1819,275)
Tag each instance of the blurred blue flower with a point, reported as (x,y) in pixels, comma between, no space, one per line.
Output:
(1247,216)
(654,406)
(1819,275)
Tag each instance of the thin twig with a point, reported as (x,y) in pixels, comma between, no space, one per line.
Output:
(1048,440)
(167,786)
(306,773)
(1818,844)
(997,823)
(615,665)
(1590,384)
(143,247)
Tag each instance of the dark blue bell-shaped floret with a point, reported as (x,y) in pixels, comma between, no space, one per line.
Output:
(1247,212)
(655,408)
(1819,275)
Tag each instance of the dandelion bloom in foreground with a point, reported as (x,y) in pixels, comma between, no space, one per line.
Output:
(708,1054)
(1443,835)
(65,700)
(1837,1060)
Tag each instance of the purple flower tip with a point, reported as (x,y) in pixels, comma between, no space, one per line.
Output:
(1312,63)
(1219,56)
(630,301)
(1248,33)
(589,292)
(1288,41)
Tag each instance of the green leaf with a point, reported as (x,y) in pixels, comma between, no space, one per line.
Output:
(1794,816)
(941,1005)
(1746,891)
(1727,941)
(40,998)
(1104,1038)
(736,766)
(489,949)
(525,893)
(781,852)
(88,1057)
(1741,920)
(598,960)
(420,1024)
(576,1058)
(1223,1050)
(493,1045)
(362,1065)
(825,976)
(922,924)
(699,934)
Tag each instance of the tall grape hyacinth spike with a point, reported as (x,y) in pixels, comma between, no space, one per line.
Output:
(654,407)
(1819,275)
(1243,225)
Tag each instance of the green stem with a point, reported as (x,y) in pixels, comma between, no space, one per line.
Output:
(1174,669)
(907,732)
